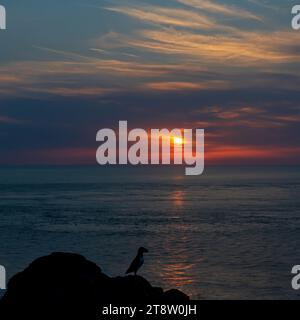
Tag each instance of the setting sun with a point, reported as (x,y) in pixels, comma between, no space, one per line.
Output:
(178,140)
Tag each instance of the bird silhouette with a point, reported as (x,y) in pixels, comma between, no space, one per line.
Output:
(138,261)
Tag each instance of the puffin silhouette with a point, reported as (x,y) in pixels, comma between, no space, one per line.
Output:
(138,261)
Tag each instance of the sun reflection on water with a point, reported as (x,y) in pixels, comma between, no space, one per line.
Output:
(177,274)
(178,198)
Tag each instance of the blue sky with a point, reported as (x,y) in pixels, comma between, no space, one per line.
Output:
(68,68)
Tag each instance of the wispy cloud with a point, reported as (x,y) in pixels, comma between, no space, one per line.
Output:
(265,4)
(73,92)
(217,8)
(166,16)
(92,77)
(193,33)
(193,54)
(253,117)
(241,48)
(185,86)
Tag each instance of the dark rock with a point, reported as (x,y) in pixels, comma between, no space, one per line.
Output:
(174,296)
(65,284)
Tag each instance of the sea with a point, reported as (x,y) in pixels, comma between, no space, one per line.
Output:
(232,233)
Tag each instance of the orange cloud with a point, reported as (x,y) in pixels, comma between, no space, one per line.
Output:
(71,92)
(214,7)
(243,154)
(184,86)
(241,48)
(65,78)
(167,16)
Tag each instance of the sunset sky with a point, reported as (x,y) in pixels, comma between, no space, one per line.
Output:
(69,68)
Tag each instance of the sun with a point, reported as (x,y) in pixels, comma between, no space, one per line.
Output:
(178,140)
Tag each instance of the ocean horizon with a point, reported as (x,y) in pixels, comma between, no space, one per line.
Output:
(231,233)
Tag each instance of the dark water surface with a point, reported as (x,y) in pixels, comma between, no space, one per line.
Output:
(231,233)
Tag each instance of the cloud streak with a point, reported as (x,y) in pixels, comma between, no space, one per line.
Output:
(242,48)
(166,16)
(217,8)
(185,86)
